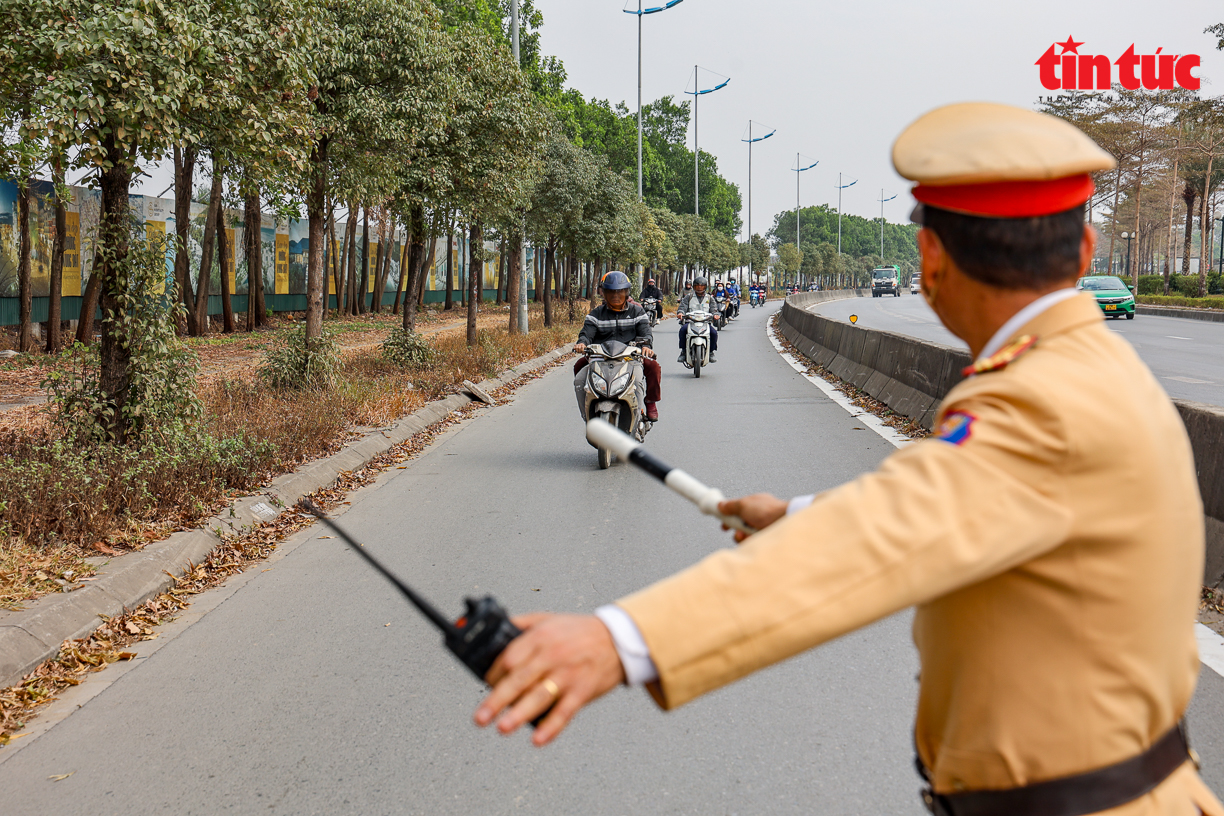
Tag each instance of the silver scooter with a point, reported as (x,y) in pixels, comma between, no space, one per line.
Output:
(697,341)
(651,305)
(615,390)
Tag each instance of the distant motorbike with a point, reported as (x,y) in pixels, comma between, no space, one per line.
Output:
(697,341)
(733,306)
(720,303)
(615,390)
(754,299)
(651,305)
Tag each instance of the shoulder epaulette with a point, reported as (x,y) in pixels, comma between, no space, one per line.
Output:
(1002,357)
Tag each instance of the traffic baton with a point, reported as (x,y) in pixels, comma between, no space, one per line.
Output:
(603,434)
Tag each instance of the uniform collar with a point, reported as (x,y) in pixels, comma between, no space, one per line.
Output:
(1029,314)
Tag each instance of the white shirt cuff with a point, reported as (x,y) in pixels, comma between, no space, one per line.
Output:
(630,645)
(799,503)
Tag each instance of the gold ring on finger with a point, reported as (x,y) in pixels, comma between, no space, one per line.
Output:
(552,688)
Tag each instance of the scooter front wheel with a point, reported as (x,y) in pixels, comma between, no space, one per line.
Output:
(605,455)
(697,367)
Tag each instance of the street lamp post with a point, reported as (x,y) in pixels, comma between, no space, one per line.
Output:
(640,12)
(799,168)
(697,92)
(522,270)
(750,142)
(882,201)
(841,187)
(1221,220)
(1127,236)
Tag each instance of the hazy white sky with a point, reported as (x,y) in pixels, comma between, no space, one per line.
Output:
(839,80)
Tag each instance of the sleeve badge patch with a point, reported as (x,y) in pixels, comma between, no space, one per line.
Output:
(956,427)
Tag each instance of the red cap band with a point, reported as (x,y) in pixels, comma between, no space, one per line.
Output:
(1010,199)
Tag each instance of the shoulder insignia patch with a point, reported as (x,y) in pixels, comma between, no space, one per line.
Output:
(1002,357)
(956,427)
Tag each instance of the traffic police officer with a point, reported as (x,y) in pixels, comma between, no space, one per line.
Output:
(1055,572)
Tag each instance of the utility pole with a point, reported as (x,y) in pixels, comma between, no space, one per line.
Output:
(639,16)
(696,149)
(522,266)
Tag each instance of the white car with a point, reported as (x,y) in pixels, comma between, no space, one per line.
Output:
(915,284)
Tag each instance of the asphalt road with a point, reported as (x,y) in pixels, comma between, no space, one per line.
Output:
(1184,354)
(309,687)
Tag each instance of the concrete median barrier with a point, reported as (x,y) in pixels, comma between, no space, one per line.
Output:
(912,376)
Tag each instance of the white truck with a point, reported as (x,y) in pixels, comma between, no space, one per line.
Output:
(885,280)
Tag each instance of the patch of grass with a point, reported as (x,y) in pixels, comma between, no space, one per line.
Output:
(1182,302)
(67,500)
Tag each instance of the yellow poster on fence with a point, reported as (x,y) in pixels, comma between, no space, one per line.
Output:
(231,260)
(155,231)
(71,284)
(282,263)
(372,254)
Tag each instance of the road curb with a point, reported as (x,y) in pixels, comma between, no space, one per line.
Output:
(34,635)
(1210,315)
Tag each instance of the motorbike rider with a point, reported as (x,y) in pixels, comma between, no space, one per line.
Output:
(733,296)
(618,319)
(652,291)
(699,300)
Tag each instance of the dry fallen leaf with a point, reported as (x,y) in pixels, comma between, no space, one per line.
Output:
(127,655)
(60,777)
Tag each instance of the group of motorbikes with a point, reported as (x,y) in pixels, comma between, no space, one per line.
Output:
(615,389)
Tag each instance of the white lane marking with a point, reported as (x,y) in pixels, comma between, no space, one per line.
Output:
(1211,647)
(1190,380)
(866,417)
(1175,337)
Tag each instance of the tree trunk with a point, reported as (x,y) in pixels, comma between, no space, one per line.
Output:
(450,267)
(514,260)
(89,305)
(54,301)
(316,212)
(1189,194)
(207,247)
(25,284)
(184,177)
(403,276)
(350,288)
(571,283)
(501,273)
(537,265)
(1205,230)
(416,218)
(548,281)
(430,258)
(223,248)
(475,278)
(252,240)
(384,265)
(114,355)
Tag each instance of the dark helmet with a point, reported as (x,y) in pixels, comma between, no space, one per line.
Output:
(700,281)
(615,280)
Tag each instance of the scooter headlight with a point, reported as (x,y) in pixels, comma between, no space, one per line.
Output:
(599,383)
(620,383)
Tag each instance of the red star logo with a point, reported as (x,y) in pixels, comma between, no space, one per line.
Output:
(1070,46)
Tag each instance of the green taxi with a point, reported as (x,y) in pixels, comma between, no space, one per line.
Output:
(1112,295)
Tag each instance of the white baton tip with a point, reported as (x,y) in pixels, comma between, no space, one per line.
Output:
(602,434)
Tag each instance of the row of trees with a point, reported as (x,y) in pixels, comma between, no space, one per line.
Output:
(1166,191)
(817,259)
(403,112)
(823,264)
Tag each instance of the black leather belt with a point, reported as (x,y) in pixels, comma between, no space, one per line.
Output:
(1078,795)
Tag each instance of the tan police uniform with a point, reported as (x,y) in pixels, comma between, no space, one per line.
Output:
(1050,536)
